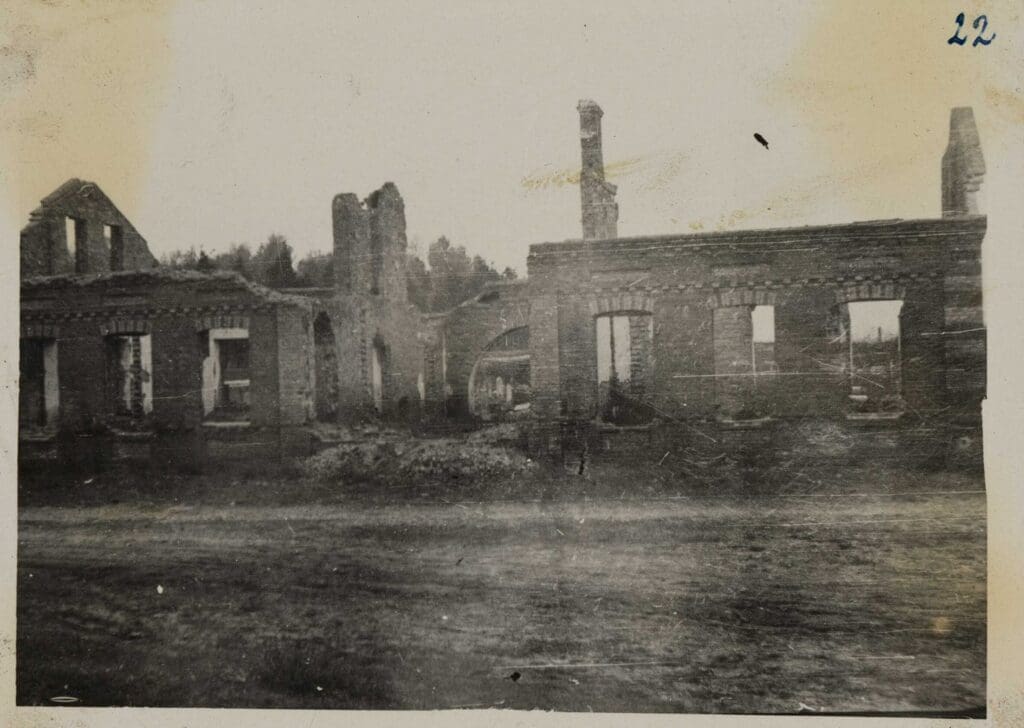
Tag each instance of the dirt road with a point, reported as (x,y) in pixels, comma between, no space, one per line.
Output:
(762,604)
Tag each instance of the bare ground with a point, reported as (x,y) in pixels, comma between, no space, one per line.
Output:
(831,601)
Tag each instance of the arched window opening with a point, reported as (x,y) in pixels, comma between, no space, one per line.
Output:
(499,385)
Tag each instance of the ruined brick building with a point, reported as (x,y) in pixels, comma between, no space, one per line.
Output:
(185,366)
(873,324)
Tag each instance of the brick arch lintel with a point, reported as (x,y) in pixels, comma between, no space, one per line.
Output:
(222,321)
(621,302)
(40,331)
(730,297)
(124,326)
(871,291)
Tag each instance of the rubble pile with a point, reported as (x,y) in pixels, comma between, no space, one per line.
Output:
(396,460)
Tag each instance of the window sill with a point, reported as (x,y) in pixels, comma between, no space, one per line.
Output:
(227,424)
(868,417)
(37,435)
(756,423)
(603,426)
(132,435)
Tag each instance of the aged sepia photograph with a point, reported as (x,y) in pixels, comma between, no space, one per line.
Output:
(505,357)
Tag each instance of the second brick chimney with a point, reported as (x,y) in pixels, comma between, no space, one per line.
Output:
(963,167)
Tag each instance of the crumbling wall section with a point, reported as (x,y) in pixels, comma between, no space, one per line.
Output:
(361,323)
(46,250)
(370,310)
(370,245)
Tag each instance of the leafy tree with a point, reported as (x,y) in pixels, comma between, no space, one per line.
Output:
(237,259)
(453,277)
(316,270)
(181,259)
(204,264)
(417,281)
(272,264)
(481,274)
(450,270)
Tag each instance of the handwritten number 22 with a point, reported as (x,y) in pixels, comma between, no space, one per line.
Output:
(978,39)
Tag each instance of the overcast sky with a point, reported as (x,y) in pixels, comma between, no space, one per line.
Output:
(215,123)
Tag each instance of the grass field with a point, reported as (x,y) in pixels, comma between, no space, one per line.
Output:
(846,601)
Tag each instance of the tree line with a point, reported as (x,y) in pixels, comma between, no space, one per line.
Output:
(447,278)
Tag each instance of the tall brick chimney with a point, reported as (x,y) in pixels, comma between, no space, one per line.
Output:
(963,167)
(600,210)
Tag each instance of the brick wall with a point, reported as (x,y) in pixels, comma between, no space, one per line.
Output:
(545,357)
(295,366)
(577,349)
(733,343)
(702,288)
(683,352)
(264,370)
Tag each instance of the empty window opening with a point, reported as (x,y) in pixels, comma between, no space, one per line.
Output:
(226,375)
(129,374)
(377,377)
(326,353)
(38,399)
(875,356)
(71,237)
(762,320)
(624,367)
(114,238)
(75,232)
